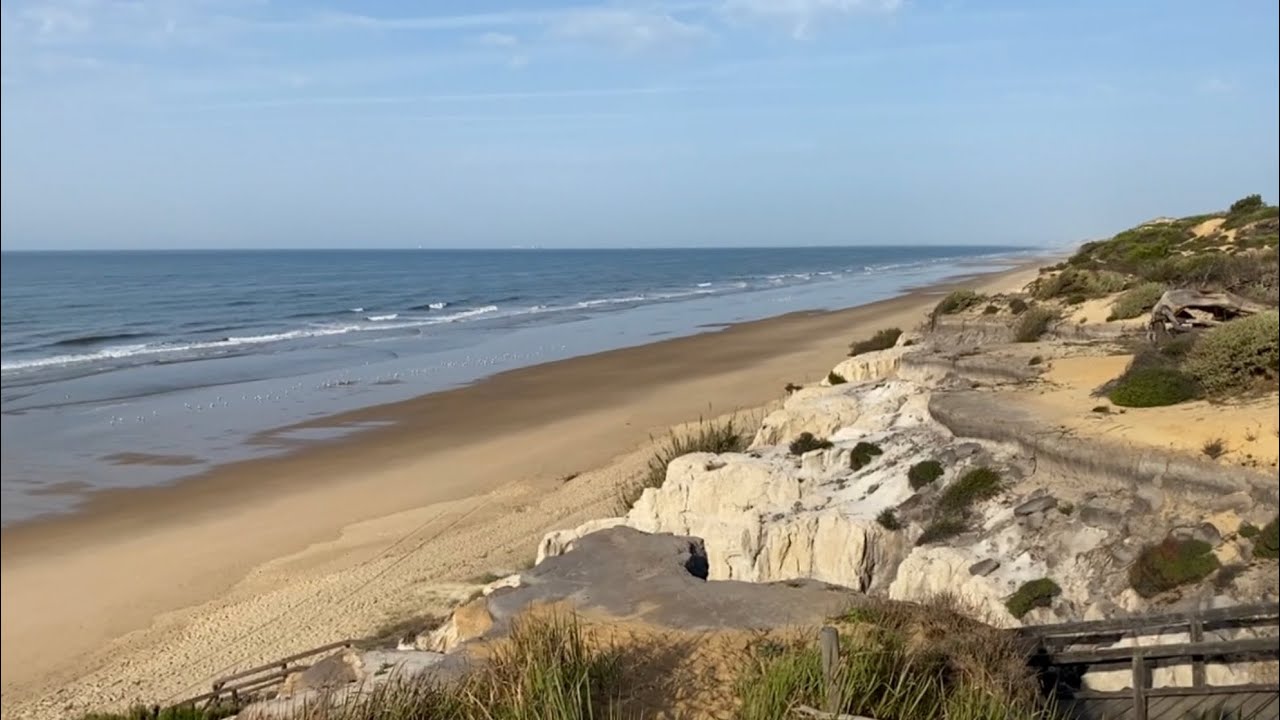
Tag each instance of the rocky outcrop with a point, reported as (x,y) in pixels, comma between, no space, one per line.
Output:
(559,542)
(871,366)
(817,410)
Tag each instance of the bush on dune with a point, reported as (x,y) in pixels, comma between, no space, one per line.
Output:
(923,473)
(958,301)
(1032,324)
(710,436)
(1136,301)
(1153,387)
(1237,356)
(1032,594)
(882,340)
(808,442)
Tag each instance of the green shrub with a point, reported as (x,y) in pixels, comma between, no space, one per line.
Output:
(835,378)
(1267,543)
(940,529)
(1248,530)
(1248,203)
(1079,285)
(1035,360)
(958,301)
(807,442)
(1033,594)
(1136,301)
(976,485)
(1032,324)
(990,310)
(1153,387)
(1169,564)
(1237,356)
(710,436)
(888,519)
(924,473)
(1017,306)
(882,340)
(862,455)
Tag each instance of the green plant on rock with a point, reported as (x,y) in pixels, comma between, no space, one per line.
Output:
(958,301)
(888,519)
(1237,356)
(1267,542)
(710,436)
(1033,594)
(1135,301)
(835,378)
(1153,387)
(1169,564)
(882,340)
(1017,306)
(943,528)
(808,442)
(862,455)
(924,473)
(976,485)
(1032,324)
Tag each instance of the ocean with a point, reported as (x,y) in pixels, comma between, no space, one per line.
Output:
(179,358)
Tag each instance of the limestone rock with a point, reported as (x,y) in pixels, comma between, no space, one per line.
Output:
(558,542)
(468,622)
(933,571)
(331,672)
(818,410)
(983,568)
(1036,505)
(876,365)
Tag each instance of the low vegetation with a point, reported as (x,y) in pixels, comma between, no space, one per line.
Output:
(1033,594)
(924,473)
(1136,301)
(711,436)
(1036,360)
(888,519)
(1267,542)
(958,301)
(1153,387)
(1238,356)
(882,340)
(1017,306)
(1170,564)
(974,486)
(942,528)
(1214,448)
(808,442)
(862,455)
(1032,324)
(896,664)
(835,378)
(1075,285)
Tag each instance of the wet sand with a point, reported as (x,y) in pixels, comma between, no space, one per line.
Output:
(149,593)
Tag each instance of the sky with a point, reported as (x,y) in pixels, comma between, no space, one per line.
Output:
(273,123)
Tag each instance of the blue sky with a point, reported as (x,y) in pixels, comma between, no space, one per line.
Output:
(253,123)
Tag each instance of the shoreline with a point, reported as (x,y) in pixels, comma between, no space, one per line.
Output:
(493,450)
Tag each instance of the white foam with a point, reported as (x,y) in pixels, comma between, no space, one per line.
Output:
(382,318)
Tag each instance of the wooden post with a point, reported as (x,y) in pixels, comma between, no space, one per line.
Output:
(1197,661)
(1139,686)
(829,647)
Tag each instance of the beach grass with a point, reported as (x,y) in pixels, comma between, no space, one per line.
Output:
(718,435)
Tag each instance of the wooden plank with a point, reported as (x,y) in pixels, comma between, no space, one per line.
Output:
(829,647)
(281,663)
(1254,613)
(1139,687)
(1214,648)
(1197,661)
(1216,690)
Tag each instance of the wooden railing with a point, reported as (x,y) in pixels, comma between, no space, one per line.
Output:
(1065,652)
(238,686)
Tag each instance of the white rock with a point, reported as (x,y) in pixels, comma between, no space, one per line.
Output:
(559,542)
(932,571)
(818,410)
(876,365)
(829,546)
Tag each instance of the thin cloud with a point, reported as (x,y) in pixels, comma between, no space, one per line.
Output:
(630,31)
(355,100)
(801,16)
(497,39)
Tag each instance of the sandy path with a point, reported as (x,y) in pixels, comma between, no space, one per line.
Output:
(151,593)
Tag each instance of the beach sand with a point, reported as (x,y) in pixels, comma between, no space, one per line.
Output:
(149,594)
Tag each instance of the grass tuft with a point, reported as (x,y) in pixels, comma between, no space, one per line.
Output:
(942,528)
(882,340)
(808,442)
(862,455)
(711,436)
(835,378)
(1267,541)
(958,301)
(924,473)
(974,486)
(1169,564)
(1214,448)
(1136,301)
(888,519)
(1032,594)
(1032,324)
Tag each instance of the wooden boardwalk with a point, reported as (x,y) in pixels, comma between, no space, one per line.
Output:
(1065,652)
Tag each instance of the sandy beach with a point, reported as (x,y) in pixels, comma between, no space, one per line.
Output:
(149,594)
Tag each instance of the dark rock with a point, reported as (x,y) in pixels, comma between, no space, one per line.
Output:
(1204,532)
(1096,515)
(983,568)
(1036,505)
